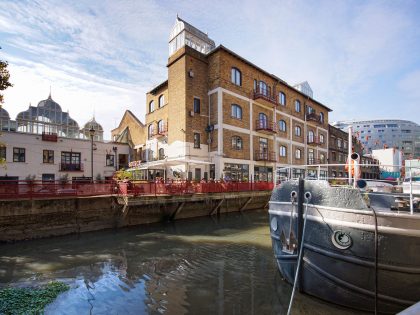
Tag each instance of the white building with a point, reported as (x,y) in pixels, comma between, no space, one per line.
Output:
(44,143)
(390,162)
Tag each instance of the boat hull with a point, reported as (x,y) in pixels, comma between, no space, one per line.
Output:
(338,261)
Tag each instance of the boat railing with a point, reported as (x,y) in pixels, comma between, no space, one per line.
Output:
(352,176)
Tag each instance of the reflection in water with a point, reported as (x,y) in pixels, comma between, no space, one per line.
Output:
(196,266)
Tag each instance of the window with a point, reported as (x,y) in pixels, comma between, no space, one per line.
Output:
(298,131)
(236,143)
(282,125)
(48,156)
(321,138)
(161,101)
(236,76)
(321,158)
(297,106)
(161,127)
(298,154)
(339,142)
(161,154)
(196,105)
(151,106)
(262,121)
(236,111)
(262,88)
(150,131)
(255,85)
(18,155)
(282,98)
(196,140)
(311,156)
(311,138)
(70,161)
(2,152)
(283,151)
(334,156)
(110,160)
(309,109)
(321,118)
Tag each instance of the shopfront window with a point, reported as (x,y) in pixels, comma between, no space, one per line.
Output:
(263,173)
(236,172)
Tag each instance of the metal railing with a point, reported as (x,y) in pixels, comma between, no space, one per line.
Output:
(263,155)
(71,167)
(265,125)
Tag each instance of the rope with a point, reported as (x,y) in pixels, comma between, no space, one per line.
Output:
(299,258)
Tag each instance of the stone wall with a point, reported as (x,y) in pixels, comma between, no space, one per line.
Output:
(29,219)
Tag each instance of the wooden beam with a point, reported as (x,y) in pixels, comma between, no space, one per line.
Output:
(217,207)
(177,211)
(245,204)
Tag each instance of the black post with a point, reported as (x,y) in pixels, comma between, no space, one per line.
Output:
(91,157)
(301,194)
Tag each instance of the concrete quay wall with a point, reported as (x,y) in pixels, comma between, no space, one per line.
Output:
(29,219)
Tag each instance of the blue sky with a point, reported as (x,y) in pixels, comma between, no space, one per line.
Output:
(361,58)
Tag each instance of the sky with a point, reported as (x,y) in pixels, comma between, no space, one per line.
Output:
(99,58)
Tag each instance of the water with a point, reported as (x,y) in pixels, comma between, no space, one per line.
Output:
(205,265)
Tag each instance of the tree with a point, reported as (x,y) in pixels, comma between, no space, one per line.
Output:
(4,78)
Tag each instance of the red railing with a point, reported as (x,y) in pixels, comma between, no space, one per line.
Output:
(26,189)
(269,156)
(49,136)
(23,189)
(189,188)
(264,94)
(265,126)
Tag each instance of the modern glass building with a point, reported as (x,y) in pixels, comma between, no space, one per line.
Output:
(386,133)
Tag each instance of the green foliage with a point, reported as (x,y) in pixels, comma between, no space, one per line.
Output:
(29,300)
(4,78)
(122,174)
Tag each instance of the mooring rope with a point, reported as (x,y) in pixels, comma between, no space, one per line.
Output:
(308,197)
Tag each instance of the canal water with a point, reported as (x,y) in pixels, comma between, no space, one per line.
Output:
(219,265)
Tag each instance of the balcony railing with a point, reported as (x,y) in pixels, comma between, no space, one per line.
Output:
(269,156)
(314,141)
(49,136)
(160,132)
(265,126)
(312,117)
(264,94)
(71,167)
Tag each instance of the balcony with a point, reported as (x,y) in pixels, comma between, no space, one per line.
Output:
(71,167)
(314,141)
(49,136)
(265,95)
(265,126)
(312,117)
(263,155)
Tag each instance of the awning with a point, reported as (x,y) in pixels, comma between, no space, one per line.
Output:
(169,162)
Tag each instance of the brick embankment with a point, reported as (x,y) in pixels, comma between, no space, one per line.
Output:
(29,219)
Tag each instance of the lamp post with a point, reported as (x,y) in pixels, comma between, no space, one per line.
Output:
(116,157)
(92,134)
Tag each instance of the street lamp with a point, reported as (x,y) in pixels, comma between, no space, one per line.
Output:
(92,134)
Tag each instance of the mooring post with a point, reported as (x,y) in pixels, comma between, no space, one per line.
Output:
(301,193)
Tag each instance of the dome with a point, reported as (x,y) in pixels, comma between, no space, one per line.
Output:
(49,103)
(93,124)
(4,115)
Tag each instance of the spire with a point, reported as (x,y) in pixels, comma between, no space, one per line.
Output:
(49,96)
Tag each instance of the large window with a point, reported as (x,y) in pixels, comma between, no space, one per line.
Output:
(48,156)
(282,125)
(298,131)
(151,106)
(311,136)
(282,98)
(161,100)
(110,159)
(283,151)
(236,76)
(196,140)
(196,105)
(236,143)
(18,155)
(297,106)
(298,154)
(150,131)
(70,161)
(161,126)
(236,111)
(236,172)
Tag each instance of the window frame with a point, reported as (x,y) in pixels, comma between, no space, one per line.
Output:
(3,152)
(46,159)
(235,141)
(282,98)
(282,122)
(151,106)
(160,126)
(161,101)
(236,75)
(298,106)
(18,155)
(110,158)
(150,131)
(283,151)
(321,117)
(311,136)
(234,110)
(197,105)
(321,138)
(298,131)
(197,140)
(298,156)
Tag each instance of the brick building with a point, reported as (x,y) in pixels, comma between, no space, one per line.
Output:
(220,116)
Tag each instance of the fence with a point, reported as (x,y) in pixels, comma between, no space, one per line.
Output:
(25,189)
